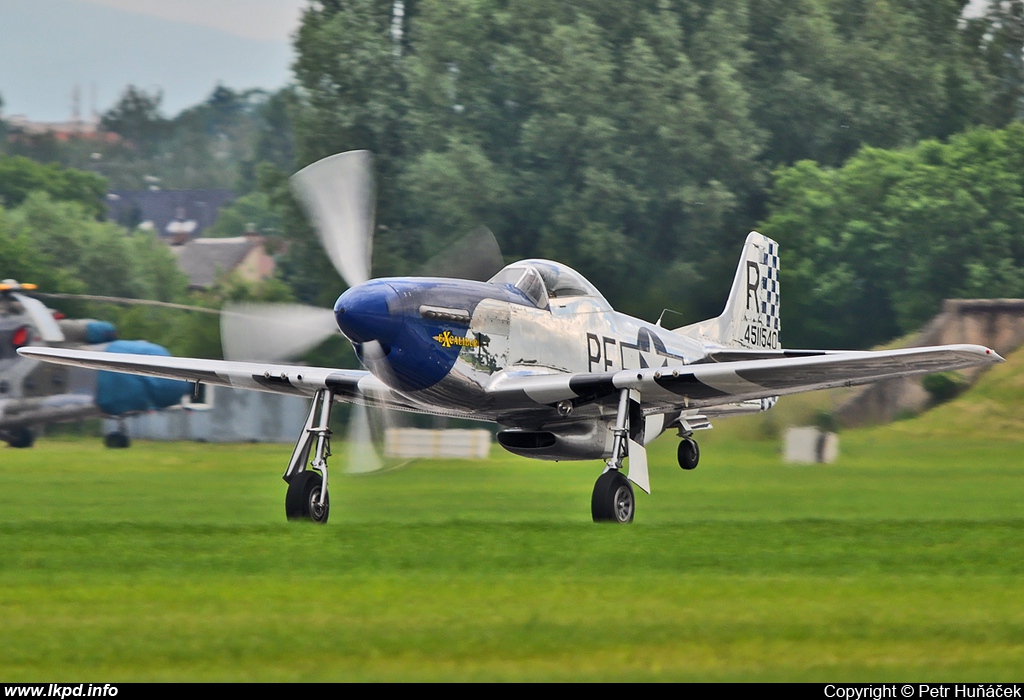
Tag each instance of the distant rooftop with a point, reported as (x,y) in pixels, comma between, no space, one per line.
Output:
(86,126)
(206,259)
(175,215)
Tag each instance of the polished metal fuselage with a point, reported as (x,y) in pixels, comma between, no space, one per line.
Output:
(574,335)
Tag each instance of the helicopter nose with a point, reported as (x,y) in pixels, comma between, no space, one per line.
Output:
(364,312)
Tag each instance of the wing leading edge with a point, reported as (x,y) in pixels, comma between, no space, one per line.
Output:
(351,386)
(691,386)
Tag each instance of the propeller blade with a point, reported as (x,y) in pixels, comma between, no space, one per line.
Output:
(375,360)
(339,197)
(363,455)
(369,425)
(273,332)
(475,256)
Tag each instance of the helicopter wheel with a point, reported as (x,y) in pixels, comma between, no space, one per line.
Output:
(117,441)
(303,498)
(21,438)
(613,500)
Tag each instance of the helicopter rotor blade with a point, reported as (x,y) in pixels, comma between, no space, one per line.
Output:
(128,301)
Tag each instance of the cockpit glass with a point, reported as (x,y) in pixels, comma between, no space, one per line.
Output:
(526,280)
(556,280)
(562,281)
(532,285)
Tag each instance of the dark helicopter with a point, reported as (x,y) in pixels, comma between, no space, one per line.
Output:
(34,393)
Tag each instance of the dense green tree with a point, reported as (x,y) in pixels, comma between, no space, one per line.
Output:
(349,69)
(274,143)
(631,141)
(580,131)
(102,257)
(828,76)
(58,246)
(249,214)
(214,144)
(999,33)
(19,177)
(3,127)
(136,118)
(872,248)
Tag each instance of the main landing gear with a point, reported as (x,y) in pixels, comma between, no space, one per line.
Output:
(307,497)
(613,500)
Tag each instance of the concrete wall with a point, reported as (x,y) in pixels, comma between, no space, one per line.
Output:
(996,323)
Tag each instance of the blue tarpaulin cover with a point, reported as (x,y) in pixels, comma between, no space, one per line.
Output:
(97,332)
(118,393)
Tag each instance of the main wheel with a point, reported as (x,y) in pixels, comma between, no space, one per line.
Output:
(303,498)
(688,453)
(613,500)
(117,441)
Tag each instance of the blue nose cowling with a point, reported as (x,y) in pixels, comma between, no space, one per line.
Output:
(368,312)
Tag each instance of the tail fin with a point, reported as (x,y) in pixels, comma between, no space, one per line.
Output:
(751,315)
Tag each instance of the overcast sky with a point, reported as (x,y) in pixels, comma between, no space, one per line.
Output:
(253,19)
(184,48)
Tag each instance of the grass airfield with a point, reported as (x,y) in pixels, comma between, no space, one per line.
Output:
(902,561)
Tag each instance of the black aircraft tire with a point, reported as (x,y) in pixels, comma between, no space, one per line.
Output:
(117,441)
(21,439)
(613,500)
(688,454)
(302,500)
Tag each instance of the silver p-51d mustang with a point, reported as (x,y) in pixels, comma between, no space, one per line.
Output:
(536,349)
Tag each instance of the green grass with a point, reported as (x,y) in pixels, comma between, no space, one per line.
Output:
(904,560)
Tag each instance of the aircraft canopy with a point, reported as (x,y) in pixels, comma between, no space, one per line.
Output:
(543,279)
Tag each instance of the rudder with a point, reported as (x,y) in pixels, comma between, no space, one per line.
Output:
(751,315)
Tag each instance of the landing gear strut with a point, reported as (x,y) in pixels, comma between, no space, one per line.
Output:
(307,496)
(613,500)
(688,453)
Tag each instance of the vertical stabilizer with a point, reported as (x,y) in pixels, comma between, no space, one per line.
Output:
(751,315)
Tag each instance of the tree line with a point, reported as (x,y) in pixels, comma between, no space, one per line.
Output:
(638,142)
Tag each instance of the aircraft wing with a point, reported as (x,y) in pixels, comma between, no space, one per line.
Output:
(711,384)
(661,389)
(352,386)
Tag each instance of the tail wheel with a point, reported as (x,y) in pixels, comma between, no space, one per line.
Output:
(613,500)
(688,453)
(302,501)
